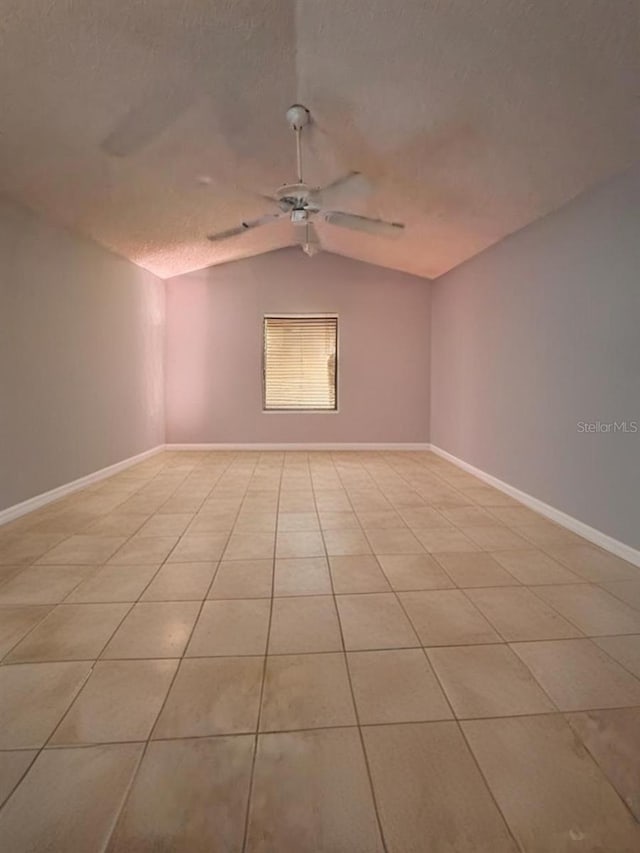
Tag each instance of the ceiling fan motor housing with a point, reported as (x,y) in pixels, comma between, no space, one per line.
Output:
(297,116)
(299,216)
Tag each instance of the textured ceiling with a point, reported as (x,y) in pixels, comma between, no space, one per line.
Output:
(471,118)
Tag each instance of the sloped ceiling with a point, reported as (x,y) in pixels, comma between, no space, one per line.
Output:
(471,118)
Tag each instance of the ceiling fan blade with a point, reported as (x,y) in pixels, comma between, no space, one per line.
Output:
(246,226)
(364,223)
(353,185)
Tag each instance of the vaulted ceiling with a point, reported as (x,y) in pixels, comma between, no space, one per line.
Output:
(470,118)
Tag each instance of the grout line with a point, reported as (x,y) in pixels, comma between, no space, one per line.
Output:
(245,835)
(385,724)
(74,699)
(456,722)
(134,775)
(356,473)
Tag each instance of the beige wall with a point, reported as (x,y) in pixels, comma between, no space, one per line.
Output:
(81,357)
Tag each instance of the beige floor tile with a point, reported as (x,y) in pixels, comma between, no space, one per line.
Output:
(426,518)
(231,627)
(305,692)
(437,540)
(550,790)
(488,681)
(613,739)
(83,550)
(16,621)
(302,576)
(117,524)
(13,766)
(177,505)
(202,786)
(495,537)
(626,650)
(516,516)
(578,675)
(297,501)
(382,519)
(445,617)
(311,792)
(250,546)
(141,550)
(66,521)
(69,800)
(346,542)
(471,516)
(158,629)
(8,572)
(304,624)
(181,582)
(212,696)
(405,499)
(534,567)
(487,496)
(374,621)
(592,609)
(70,632)
(369,502)
(199,548)
(592,564)
(255,508)
(250,521)
(33,698)
(243,579)
(545,533)
(517,614)
(331,500)
(394,541)
(17,550)
(43,584)
(358,573)
(414,571)
(475,569)
(339,521)
(292,521)
(456,813)
(113,583)
(396,686)
(166,524)
(119,702)
(627,591)
(212,522)
(301,543)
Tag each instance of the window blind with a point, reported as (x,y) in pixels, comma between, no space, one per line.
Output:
(300,363)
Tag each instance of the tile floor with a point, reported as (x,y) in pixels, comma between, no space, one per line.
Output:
(301,652)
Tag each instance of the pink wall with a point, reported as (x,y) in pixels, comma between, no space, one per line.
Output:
(214,350)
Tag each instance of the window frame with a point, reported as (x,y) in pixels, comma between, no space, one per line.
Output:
(310,316)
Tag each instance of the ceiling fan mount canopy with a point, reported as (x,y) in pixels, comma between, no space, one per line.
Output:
(304,204)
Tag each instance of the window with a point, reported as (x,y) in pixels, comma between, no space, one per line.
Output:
(300,369)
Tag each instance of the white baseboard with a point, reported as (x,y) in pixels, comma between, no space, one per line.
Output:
(608,543)
(15,511)
(356,445)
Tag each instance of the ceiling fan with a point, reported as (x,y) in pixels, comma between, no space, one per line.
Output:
(304,204)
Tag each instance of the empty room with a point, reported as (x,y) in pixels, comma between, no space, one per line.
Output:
(320,426)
